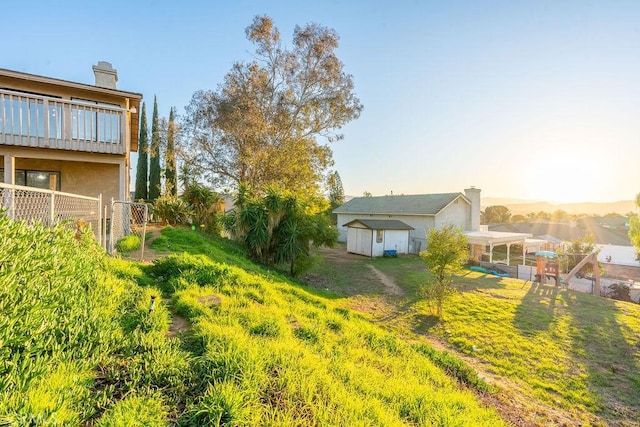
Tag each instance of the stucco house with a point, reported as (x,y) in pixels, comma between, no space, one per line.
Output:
(68,136)
(419,212)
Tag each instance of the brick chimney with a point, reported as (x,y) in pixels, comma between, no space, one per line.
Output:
(106,75)
(473,194)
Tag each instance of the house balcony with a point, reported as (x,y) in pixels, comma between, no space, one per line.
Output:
(37,121)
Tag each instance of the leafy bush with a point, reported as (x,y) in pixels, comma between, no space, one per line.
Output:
(205,207)
(171,210)
(129,243)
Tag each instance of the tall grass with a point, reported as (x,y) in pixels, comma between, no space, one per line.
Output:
(83,343)
(278,354)
(64,312)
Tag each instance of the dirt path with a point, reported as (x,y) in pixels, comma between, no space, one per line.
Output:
(178,326)
(390,285)
(149,254)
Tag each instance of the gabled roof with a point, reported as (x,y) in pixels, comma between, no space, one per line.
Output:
(417,204)
(381,224)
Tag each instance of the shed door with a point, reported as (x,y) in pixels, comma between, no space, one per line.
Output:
(352,240)
(364,242)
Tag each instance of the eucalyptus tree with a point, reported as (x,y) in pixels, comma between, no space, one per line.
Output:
(271,120)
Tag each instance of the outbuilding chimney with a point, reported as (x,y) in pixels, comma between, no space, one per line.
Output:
(473,194)
(106,75)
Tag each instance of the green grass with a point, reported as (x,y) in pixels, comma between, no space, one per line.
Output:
(177,240)
(570,349)
(573,352)
(67,312)
(289,356)
(129,243)
(261,349)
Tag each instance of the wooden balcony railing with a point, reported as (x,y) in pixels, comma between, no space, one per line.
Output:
(37,121)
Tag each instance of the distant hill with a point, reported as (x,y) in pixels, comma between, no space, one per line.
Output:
(523,207)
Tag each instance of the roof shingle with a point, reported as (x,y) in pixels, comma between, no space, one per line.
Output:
(381,224)
(417,204)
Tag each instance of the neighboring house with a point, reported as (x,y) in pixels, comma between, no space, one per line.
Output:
(372,237)
(68,136)
(557,232)
(419,212)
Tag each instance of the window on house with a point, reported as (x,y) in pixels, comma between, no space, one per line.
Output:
(47,180)
(379,236)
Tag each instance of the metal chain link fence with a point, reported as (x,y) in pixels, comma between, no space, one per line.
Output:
(127,218)
(51,207)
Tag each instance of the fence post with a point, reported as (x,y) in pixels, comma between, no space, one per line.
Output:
(111,227)
(104,228)
(99,208)
(144,232)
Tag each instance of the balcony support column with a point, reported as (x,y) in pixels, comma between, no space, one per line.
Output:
(9,169)
(122,172)
(9,178)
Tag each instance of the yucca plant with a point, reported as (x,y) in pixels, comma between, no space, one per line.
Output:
(280,227)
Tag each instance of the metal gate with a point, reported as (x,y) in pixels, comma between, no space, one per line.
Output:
(127,218)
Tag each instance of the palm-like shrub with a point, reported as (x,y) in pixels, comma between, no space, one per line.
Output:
(171,210)
(280,227)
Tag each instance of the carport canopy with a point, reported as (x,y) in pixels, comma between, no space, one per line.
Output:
(497,238)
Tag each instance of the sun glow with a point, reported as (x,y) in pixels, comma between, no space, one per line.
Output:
(567,176)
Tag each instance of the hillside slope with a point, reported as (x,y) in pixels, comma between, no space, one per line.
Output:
(95,348)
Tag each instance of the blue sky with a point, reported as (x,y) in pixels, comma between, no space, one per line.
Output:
(523,99)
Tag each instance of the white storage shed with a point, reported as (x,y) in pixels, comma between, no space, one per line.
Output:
(372,237)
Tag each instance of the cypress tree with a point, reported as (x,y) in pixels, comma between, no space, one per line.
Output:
(170,182)
(154,167)
(336,190)
(142,168)
(336,194)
